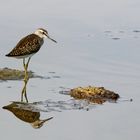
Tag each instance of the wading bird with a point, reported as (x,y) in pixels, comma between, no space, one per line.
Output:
(27,47)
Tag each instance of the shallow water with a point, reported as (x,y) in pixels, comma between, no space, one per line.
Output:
(98,44)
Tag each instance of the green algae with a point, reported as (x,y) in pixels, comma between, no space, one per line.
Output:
(14,74)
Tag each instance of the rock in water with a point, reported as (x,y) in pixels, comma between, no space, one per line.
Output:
(94,94)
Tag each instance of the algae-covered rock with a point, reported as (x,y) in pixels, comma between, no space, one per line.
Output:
(94,94)
(13,74)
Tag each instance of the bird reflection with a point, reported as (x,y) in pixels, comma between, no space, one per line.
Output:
(24,92)
(28,116)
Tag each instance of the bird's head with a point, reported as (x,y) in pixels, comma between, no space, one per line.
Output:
(42,33)
(39,123)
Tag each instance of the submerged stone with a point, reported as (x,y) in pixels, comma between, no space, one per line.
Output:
(94,94)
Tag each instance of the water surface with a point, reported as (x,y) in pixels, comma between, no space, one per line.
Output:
(97,45)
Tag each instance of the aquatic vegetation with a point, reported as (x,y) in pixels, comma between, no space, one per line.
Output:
(14,74)
(94,94)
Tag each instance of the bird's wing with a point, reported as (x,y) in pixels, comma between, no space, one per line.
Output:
(26,46)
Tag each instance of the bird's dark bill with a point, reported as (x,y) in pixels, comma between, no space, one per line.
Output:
(52,39)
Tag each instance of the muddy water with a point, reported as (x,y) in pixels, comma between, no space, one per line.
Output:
(98,44)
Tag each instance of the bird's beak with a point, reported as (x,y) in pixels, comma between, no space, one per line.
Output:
(39,123)
(45,120)
(51,38)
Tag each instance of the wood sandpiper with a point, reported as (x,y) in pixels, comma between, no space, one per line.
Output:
(27,47)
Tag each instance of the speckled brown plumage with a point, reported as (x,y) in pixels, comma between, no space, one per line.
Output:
(24,115)
(27,46)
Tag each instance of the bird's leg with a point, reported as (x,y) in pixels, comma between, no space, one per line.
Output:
(26,78)
(23,90)
(28,62)
(25,70)
(22,96)
(24,63)
(24,93)
(26,66)
(26,96)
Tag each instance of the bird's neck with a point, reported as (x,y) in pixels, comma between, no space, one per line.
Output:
(38,34)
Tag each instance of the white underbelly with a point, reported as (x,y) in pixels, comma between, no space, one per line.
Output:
(24,56)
